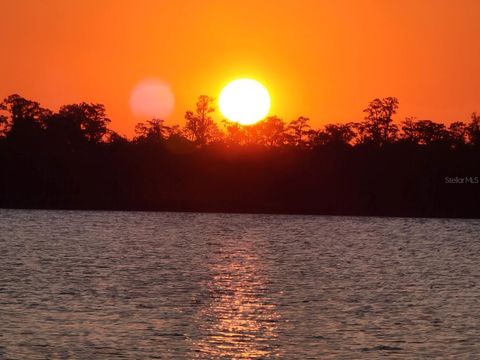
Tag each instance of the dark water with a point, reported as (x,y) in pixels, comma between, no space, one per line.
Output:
(108,285)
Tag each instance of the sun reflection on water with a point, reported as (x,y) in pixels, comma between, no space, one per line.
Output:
(237,320)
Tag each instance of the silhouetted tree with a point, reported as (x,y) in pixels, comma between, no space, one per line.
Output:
(153,131)
(377,127)
(3,120)
(112,137)
(235,133)
(173,131)
(457,133)
(409,131)
(298,131)
(200,126)
(27,118)
(424,132)
(473,129)
(271,131)
(335,134)
(176,141)
(79,123)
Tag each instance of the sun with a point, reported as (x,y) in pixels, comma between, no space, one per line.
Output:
(245,101)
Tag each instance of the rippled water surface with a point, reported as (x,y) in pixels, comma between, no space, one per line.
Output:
(108,285)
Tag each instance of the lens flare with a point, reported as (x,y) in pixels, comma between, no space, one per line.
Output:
(152,98)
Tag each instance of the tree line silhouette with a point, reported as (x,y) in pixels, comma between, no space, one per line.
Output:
(71,159)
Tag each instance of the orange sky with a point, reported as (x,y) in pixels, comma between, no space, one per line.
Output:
(321,59)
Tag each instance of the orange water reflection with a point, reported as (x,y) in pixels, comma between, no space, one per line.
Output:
(237,320)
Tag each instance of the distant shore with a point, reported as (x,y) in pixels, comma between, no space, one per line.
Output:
(71,160)
(398,181)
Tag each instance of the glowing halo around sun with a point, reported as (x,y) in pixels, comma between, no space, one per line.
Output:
(245,101)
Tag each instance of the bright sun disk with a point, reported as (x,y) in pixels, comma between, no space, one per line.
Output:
(245,101)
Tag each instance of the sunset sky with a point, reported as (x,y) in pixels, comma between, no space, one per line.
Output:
(321,59)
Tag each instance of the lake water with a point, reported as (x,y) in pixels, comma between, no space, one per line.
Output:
(134,285)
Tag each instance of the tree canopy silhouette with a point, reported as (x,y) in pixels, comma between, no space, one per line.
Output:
(71,159)
(200,126)
(377,127)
